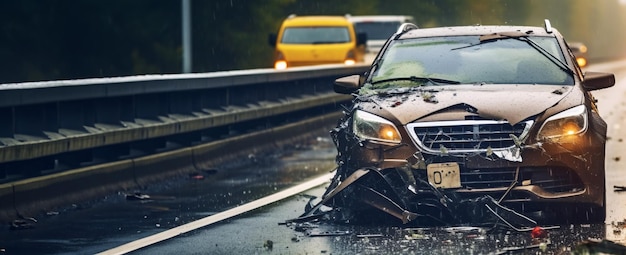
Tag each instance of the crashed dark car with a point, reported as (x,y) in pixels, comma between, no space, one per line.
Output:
(462,124)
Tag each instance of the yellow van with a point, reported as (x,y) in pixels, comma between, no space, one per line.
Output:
(314,40)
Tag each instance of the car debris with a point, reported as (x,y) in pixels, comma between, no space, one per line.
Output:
(316,233)
(137,196)
(269,245)
(442,133)
(23,223)
(196,176)
(370,235)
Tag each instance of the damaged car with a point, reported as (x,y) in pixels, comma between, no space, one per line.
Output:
(469,124)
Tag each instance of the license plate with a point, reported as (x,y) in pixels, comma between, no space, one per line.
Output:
(444,175)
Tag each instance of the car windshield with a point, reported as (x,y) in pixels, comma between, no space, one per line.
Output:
(467,60)
(377,30)
(315,35)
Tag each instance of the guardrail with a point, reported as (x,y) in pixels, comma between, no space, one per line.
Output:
(56,125)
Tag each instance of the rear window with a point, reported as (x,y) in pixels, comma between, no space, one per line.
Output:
(377,30)
(315,35)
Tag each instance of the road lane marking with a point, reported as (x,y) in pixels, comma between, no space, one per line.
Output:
(146,241)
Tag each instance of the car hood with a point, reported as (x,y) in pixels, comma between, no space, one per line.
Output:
(513,103)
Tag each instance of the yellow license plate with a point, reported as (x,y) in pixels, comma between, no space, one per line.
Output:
(444,175)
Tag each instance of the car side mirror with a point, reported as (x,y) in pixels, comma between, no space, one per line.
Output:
(361,39)
(271,39)
(598,80)
(348,84)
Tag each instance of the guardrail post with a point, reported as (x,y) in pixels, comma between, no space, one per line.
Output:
(73,117)
(6,129)
(31,120)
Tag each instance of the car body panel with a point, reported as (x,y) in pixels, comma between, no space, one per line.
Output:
(531,99)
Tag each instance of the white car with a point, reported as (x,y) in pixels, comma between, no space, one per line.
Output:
(378,28)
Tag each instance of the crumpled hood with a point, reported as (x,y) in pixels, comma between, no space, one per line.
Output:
(502,102)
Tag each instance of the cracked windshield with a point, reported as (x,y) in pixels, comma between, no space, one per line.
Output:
(313,127)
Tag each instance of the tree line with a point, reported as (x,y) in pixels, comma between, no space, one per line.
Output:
(64,39)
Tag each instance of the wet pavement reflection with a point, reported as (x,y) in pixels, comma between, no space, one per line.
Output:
(124,217)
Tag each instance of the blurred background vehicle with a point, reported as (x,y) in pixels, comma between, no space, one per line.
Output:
(314,40)
(580,52)
(378,28)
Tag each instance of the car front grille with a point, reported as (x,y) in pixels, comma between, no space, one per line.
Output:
(467,135)
(551,179)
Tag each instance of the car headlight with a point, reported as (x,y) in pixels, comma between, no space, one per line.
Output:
(369,126)
(566,123)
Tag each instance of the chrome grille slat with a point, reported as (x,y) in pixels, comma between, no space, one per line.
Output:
(466,135)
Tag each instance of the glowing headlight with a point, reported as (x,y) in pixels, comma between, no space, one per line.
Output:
(569,122)
(582,62)
(370,126)
(280,65)
(349,62)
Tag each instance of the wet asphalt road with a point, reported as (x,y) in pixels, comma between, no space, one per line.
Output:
(104,224)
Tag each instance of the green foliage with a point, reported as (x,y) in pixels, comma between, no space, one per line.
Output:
(65,39)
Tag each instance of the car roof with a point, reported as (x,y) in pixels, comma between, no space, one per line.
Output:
(316,20)
(475,30)
(368,18)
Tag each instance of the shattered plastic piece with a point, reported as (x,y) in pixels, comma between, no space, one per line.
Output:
(269,244)
(369,235)
(137,196)
(543,246)
(197,176)
(538,232)
(429,97)
(316,233)
(516,140)
(443,150)
(559,91)
(25,223)
(489,151)
(512,154)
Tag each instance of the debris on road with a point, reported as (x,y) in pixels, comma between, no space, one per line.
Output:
(315,232)
(269,244)
(196,176)
(538,232)
(137,196)
(23,223)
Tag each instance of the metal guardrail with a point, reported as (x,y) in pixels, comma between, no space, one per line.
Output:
(48,125)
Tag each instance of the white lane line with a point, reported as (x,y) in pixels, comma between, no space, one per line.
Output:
(146,241)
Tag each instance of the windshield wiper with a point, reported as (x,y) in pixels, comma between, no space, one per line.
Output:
(435,81)
(548,55)
(520,36)
(494,38)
